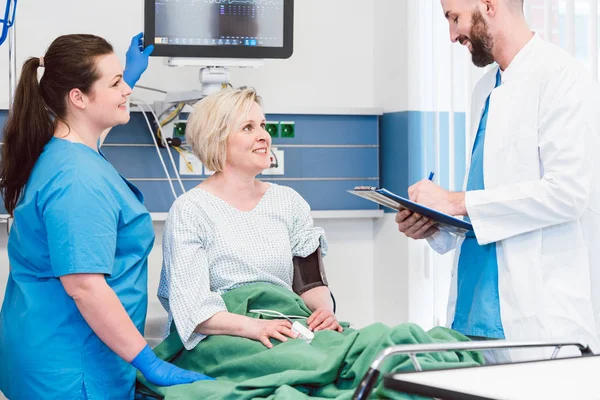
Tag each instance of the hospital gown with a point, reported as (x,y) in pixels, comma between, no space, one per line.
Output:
(210,247)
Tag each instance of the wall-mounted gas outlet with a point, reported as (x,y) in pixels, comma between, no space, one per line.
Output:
(179,130)
(277,161)
(273,128)
(287,129)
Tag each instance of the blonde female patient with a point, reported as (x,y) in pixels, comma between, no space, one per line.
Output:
(234,246)
(233,230)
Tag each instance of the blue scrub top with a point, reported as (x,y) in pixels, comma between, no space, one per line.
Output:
(478,305)
(77,215)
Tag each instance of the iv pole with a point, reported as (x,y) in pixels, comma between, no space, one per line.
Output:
(12,48)
(12,64)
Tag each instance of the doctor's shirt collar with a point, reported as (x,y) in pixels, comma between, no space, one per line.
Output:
(520,59)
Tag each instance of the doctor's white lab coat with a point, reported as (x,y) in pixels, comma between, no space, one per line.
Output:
(541,203)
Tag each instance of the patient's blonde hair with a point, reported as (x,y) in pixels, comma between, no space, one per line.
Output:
(213,119)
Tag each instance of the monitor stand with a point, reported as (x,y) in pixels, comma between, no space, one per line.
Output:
(214,75)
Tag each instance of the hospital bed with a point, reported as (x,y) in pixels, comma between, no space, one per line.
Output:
(555,378)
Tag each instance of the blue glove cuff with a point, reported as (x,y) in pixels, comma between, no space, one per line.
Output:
(145,358)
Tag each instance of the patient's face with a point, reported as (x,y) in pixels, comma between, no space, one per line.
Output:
(248,147)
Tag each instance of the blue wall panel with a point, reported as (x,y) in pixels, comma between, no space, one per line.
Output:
(299,162)
(329,155)
(330,129)
(139,162)
(310,129)
(407,149)
(333,162)
(394,154)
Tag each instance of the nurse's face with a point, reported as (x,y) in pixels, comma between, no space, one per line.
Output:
(469,28)
(107,101)
(248,147)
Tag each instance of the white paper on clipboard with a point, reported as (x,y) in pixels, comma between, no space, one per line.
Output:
(389,199)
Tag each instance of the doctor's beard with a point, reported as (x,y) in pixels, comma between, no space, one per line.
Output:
(481,41)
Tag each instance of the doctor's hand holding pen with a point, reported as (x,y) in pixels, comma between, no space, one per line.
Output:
(429,194)
(413,225)
(433,196)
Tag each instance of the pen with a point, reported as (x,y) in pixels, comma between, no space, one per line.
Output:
(430,176)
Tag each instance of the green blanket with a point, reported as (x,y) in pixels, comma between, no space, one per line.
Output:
(330,367)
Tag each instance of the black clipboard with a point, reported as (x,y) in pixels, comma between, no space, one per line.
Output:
(389,199)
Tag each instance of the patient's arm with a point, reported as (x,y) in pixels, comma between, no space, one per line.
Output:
(226,323)
(310,283)
(319,300)
(319,297)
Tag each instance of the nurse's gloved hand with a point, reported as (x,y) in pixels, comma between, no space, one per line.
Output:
(137,60)
(162,373)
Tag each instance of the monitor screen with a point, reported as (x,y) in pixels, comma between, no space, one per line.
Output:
(220,28)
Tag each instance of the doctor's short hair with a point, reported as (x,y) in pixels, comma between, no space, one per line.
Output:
(213,119)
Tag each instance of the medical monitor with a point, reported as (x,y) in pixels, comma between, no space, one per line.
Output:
(220,28)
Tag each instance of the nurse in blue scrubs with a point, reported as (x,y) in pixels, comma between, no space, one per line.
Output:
(73,315)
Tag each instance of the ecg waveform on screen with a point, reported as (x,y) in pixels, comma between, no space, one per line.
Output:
(249,2)
(261,3)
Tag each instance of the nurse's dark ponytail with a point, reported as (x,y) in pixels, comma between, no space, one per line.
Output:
(69,63)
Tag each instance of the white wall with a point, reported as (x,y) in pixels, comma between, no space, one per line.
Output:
(332,65)
(391,47)
(435,63)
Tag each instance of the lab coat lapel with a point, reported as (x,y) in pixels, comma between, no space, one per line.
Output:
(480,95)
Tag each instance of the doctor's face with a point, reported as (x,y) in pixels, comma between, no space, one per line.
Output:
(469,28)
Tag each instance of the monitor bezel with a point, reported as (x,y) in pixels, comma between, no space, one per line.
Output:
(169,50)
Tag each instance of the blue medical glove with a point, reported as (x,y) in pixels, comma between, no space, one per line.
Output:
(136,60)
(162,373)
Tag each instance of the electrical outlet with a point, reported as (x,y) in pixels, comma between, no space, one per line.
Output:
(287,129)
(188,160)
(279,160)
(273,128)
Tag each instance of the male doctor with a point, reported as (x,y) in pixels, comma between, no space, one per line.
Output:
(530,270)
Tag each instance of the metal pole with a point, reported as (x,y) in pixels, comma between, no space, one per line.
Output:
(12,64)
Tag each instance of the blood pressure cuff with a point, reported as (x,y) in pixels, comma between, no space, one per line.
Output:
(309,272)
